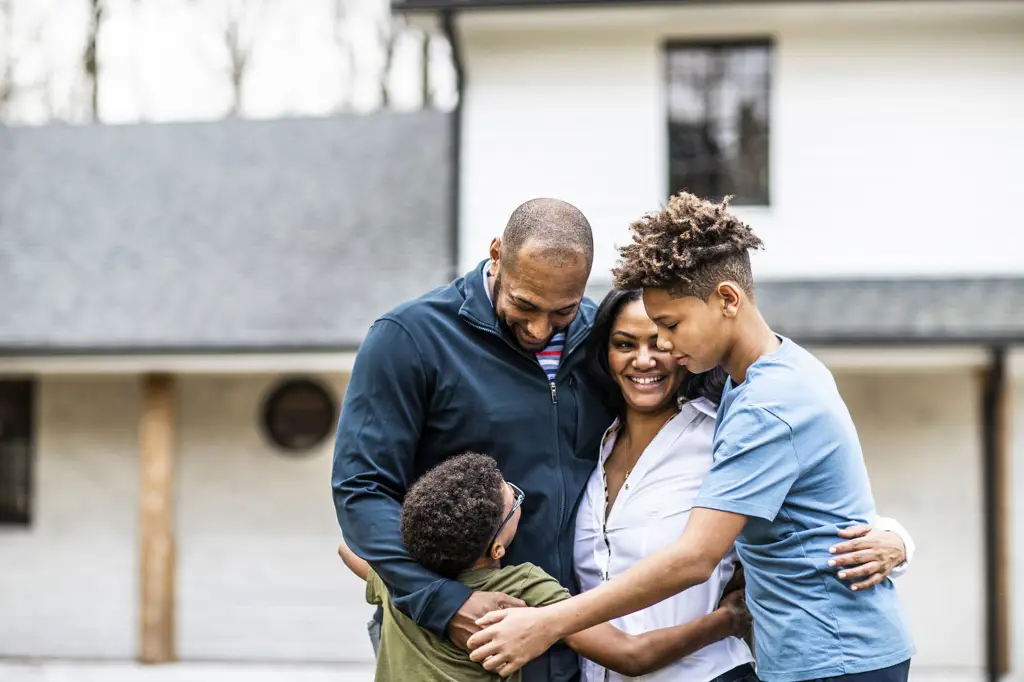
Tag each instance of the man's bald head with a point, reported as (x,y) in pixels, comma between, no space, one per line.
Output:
(555,230)
(540,266)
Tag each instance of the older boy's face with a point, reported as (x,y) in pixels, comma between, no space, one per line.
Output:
(691,330)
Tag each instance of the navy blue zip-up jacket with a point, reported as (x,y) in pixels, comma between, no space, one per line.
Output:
(437,377)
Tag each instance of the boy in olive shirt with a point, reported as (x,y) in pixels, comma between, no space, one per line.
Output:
(457,520)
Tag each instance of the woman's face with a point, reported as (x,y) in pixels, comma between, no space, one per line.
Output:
(649,378)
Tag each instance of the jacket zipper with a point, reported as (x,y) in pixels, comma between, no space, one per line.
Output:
(566,351)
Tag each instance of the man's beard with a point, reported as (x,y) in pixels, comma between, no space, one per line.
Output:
(506,328)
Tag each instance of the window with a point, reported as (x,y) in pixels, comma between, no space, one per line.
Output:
(718,120)
(16,451)
(299,414)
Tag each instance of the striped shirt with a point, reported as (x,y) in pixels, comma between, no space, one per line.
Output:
(551,356)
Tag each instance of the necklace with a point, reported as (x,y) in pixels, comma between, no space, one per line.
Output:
(679,406)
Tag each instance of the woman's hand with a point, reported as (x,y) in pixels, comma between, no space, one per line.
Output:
(735,605)
(871,553)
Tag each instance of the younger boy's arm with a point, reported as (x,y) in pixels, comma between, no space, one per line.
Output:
(636,655)
(354,563)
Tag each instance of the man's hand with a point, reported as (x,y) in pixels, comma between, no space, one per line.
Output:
(463,624)
(871,552)
(511,639)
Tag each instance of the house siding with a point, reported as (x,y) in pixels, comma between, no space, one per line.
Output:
(885,119)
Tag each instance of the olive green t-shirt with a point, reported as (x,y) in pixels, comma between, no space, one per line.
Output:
(411,653)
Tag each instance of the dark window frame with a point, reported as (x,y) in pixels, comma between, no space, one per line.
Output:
(17,477)
(764,194)
(276,392)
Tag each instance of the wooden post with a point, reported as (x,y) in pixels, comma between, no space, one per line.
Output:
(996,449)
(156,440)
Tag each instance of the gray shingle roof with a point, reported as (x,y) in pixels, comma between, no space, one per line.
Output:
(896,311)
(226,235)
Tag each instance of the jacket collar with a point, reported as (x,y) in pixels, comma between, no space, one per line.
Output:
(478,309)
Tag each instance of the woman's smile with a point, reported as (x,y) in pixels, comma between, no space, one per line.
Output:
(646,381)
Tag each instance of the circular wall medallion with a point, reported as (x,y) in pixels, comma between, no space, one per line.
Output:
(299,414)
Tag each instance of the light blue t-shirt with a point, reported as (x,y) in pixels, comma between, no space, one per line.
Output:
(788,457)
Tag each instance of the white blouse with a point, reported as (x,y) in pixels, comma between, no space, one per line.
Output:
(649,513)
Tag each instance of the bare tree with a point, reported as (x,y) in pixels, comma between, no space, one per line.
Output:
(6,58)
(90,59)
(340,23)
(389,29)
(239,30)
(18,39)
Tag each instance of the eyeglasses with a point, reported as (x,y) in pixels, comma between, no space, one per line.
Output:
(520,496)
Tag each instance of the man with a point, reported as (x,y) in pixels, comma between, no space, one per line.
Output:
(788,471)
(490,363)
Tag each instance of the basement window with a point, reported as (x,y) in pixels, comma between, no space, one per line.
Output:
(299,414)
(17,450)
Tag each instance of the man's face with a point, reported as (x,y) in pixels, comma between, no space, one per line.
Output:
(695,332)
(534,298)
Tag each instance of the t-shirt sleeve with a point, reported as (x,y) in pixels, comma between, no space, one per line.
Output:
(375,588)
(540,589)
(755,465)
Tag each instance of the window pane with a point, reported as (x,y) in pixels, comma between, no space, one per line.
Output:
(718,120)
(16,449)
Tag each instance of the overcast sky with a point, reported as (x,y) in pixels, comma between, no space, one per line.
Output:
(164,60)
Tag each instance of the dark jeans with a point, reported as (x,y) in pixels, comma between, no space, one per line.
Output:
(742,673)
(894,673)
(373,628)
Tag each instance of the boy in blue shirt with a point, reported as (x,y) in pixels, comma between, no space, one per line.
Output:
(788,473)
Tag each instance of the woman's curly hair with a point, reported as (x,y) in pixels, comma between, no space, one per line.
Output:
(688,247)
(450,514)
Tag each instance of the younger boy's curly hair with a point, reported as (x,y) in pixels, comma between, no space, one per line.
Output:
(450,514)
(689,248)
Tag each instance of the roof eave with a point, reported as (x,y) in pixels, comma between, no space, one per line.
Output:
(406,6)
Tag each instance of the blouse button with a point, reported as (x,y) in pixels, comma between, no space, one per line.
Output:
(627,486)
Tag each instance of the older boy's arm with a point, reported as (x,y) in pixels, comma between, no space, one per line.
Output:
(516,636)
(636,655)
(755,467)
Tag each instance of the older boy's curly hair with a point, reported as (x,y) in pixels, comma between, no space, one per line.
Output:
(689,248)
(450,514)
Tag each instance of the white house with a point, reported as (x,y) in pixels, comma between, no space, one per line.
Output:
(875,146)
(182,302)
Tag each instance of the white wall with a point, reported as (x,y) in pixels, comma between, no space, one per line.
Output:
(890,122)
(68,584)
(259,575)
(922,444)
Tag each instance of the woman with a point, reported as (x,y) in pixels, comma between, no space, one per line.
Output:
(653,460)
